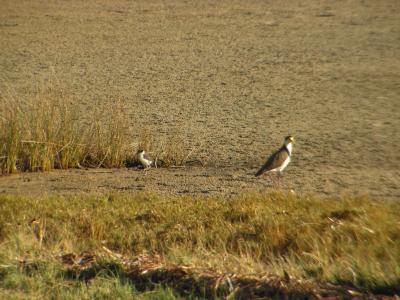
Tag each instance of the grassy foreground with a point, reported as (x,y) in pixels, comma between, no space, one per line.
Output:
(353,242)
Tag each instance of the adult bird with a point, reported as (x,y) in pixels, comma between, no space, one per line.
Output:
(279,160)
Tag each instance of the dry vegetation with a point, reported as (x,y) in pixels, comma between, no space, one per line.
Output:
(51,129)
(351,242)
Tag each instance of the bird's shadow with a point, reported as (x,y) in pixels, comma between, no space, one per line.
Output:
(133,163)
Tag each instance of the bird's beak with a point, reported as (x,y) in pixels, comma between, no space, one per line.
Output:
(292,139)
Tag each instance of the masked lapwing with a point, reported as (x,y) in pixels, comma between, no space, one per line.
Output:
(144,159)
(279,160)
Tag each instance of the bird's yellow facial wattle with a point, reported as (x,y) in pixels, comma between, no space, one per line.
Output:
(289,139)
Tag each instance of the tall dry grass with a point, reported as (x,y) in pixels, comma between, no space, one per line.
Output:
(109,142)
(51,129)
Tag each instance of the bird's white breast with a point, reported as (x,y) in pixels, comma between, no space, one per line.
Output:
(285,164)
(289,147)
(145,162)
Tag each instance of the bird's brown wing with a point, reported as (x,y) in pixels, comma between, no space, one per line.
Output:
(274,161)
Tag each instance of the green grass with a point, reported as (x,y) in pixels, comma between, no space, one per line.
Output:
(48,283)
(352,241)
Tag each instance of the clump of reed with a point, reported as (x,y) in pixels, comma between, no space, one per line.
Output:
(52,129)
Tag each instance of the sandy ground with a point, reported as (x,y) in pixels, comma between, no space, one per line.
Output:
(194,181)
(230,77)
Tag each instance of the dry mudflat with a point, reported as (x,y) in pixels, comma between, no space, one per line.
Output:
(230,79)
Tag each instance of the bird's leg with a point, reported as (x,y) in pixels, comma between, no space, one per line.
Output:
(271,177)
(146,169)
(279,178)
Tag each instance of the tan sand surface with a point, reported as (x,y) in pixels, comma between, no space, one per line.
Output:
(232,78)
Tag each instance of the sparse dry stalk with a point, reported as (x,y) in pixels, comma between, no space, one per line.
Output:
(9,139)
(146,140)
(118,135)
(167,151)
(10,132)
